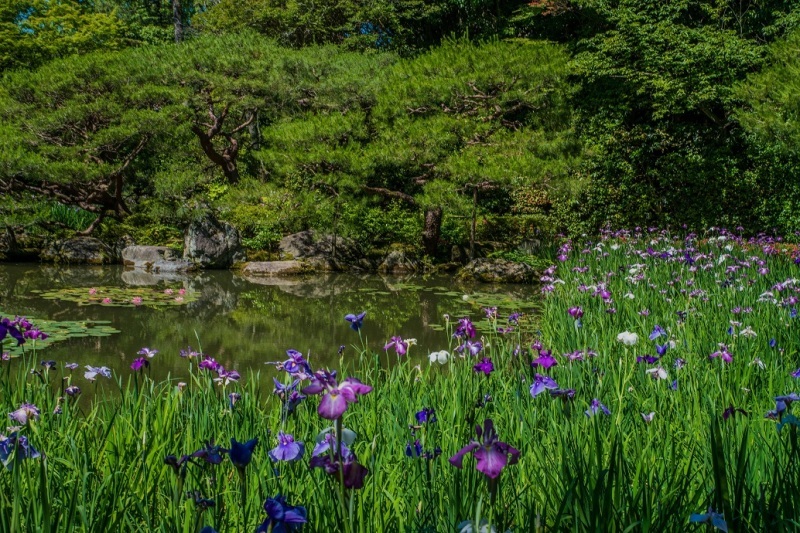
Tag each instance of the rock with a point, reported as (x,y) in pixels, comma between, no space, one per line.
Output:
(262,269)
(398,262)
(324,252)
(496,271)
(7,244)
(78,250)
(210,243)
(155,259)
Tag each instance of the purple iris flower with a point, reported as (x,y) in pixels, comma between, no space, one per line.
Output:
(722,353)
(491,312)
(513,318)
(209,363)
(657,332)
(233,397)
(575,312)
(597,406)
(35,334)
(484,366)
(661,349)
(679,363)
(8,328)
(731,411)
(545,360)
(282,517)
(189,353)
(241,453)
(48,365)
(288,394)
(15,448)
(542,383)
(492,454)
(26,411)
(73,390)
(225,377)
(413,450)
(796,373)
(674,385)
(343,461)
(473,347)
(773,343)
(287,449)
(465,328)
(400,346)
(139,363)
(356,321)
(178,465)
(71,366)
(425,416)
(209,453)
(296,365)
(336,396)
(147,352)
(649,359)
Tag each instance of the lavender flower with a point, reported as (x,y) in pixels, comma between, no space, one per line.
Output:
(356,321)
(542,383)
(147,352)
(473,347)
(92,372)
(287,449)
(26,411)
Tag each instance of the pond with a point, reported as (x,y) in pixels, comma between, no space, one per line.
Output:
(243,323)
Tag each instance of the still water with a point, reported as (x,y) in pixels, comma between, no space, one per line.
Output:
(243,323)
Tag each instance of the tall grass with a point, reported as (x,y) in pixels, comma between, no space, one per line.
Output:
(103,469)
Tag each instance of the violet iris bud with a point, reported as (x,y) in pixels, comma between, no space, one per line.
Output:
(356,321)
(282,517)
(241,453)
(287,449)
(492,454)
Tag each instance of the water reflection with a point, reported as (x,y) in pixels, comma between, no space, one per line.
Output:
(245,322)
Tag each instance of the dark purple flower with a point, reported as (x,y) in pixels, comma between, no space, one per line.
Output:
(139,363)
(225,377)
(288,394)
(178,465)
(209,453)
(356,321)
(465,328)
(73,390)
(413,450)
(484,366)
(48,365)
(8,328)
(649,359)
(661,349)
(491,312)
(241,453)
(723,353)
(731,411)
(597,406)
(564,394)
(513,318)
(336,397)
(233,397)
(796,373)
(282,517)
(674,385)
(336,462)
(492,454)
(400,346)
(425,416)
(545,360)
(35,334)
(542,383)
(575,312)
(773,343)
(15,448)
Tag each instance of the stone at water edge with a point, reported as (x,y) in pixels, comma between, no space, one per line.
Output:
(79,250)
(496,271)
(323,252)
(398,262)
(155,259)
(258,269)
(210,243)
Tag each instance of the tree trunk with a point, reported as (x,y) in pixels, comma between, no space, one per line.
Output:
(432,230)
(177,20)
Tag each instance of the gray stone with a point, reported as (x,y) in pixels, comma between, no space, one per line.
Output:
(398,262)
(262,269)
(155,259)
(78,250)
(496,271)
(323,252)
(210,243)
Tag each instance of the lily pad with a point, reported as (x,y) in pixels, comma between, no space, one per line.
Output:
(57,331)
(122,296)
